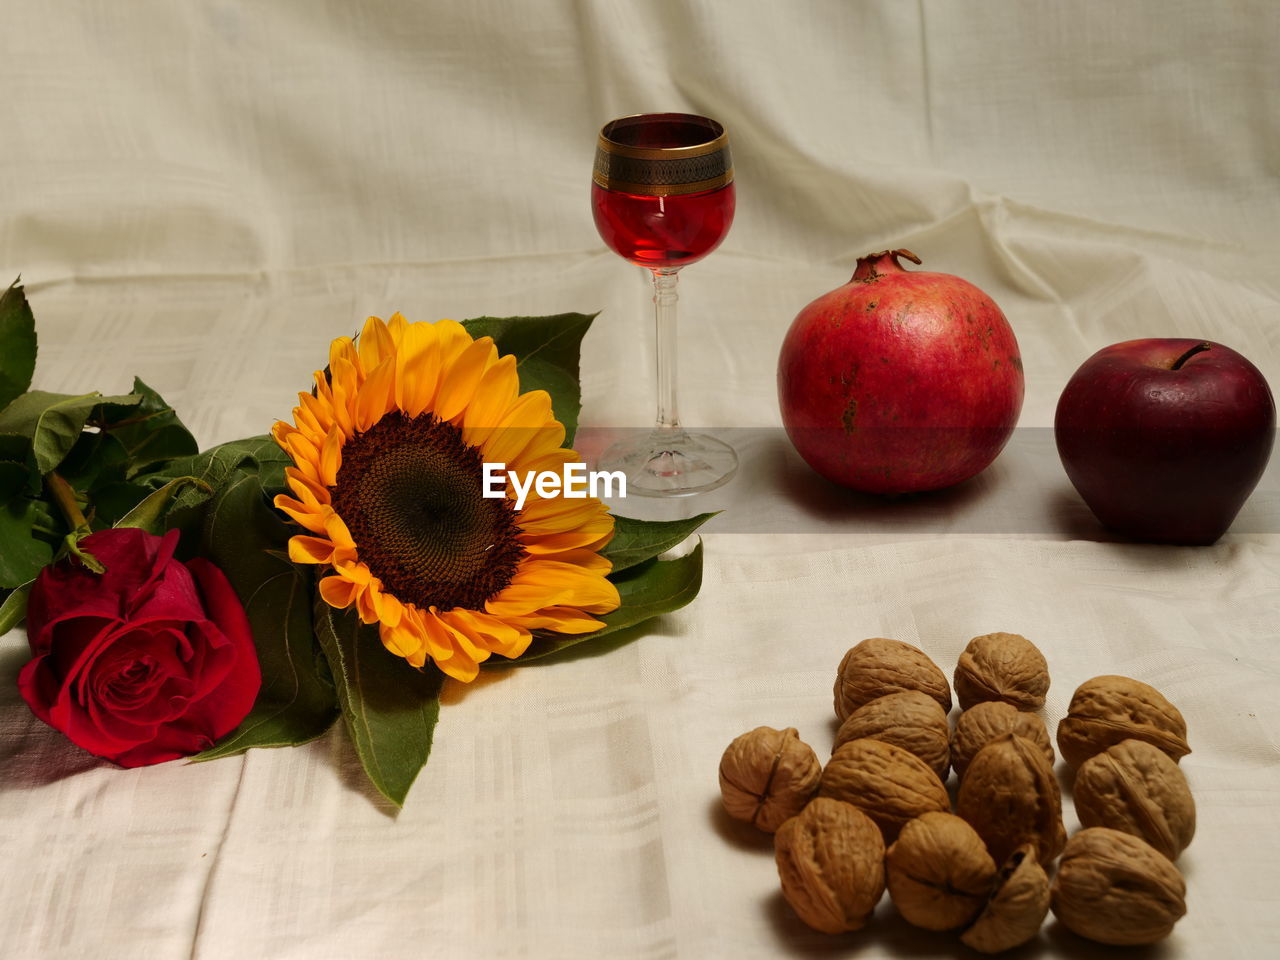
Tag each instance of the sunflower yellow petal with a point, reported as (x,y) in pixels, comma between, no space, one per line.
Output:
(281,431)
(320,411)
(466,640)
(377,395)
(344,382)
(366,608)
(401,641)
(335,528)
(309,491)
(338,592)
(310,550)
(375,344)
(396,327)
(558,514)
(453,339)
(460,667)
(307,422)
(588,589)
(306,455)
(306,515)
(593,533)
(495,393)
(343,350)
(531,428)
(387,609)
(355,571)
(588,560)
(417,369)
(458,385)
(495,635)
(330,458)
(439,640)
(560,620)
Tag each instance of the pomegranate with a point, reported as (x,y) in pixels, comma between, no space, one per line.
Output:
(900,381)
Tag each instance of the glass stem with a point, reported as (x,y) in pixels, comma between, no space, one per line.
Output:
(664,316)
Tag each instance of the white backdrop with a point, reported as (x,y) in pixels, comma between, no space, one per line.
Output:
(204,193)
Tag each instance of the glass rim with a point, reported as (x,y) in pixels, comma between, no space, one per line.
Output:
(719,137)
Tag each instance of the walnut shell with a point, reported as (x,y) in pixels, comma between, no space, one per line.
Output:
(1016,910)
(831,863)
(891,785)
(1106,710)
(1136,788)
(1002,666)
(910,719)
(1010,796)
(939,873)
(878,666)
(984,722)
(767,776)
(1114,888)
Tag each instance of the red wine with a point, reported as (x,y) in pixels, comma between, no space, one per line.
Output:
(666,231)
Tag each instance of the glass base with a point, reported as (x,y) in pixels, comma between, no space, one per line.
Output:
(671,464)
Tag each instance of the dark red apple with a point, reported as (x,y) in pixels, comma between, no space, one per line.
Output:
(1166,439)
(900,381)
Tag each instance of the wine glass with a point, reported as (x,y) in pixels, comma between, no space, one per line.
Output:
(663,197)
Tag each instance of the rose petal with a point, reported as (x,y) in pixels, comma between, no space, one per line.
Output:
(231,700)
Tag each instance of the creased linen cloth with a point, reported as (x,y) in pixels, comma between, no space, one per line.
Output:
(203,194)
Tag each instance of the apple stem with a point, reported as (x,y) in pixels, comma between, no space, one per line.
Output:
(1198,348)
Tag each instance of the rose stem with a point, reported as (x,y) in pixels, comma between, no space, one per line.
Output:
(64,495)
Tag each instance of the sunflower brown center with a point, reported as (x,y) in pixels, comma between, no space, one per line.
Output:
(410,492)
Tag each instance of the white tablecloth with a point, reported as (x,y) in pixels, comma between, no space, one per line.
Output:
(204,193)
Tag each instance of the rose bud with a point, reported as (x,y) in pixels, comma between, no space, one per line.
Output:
(147,662)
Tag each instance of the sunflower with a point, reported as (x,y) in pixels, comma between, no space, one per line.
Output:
(389,453)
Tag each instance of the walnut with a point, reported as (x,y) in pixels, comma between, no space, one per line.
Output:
(768,775)
(1114,888)
(939,873)
(909,719)
(986,721)
(1106,710)
(1136,788)
(891,785)
(1016,910)
(831,863)
(1002,666)
(878,666)
(1010,796)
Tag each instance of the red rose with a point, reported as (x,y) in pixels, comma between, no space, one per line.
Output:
(150,661)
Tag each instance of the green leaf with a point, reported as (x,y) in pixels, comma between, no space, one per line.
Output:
(149,514)
(547,351)
(647,590)
(14,607)
(151,432)
(18,334)
(260,455)
(22,555)
(54,421)
(94,461)
(14,478)
(389,707)
(14,446)
(635,541)
(243,536)
(111,502)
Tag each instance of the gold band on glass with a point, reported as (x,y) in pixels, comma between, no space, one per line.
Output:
(663,189)
(662,171)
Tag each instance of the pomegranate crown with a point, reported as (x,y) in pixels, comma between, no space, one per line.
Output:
(875,265)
